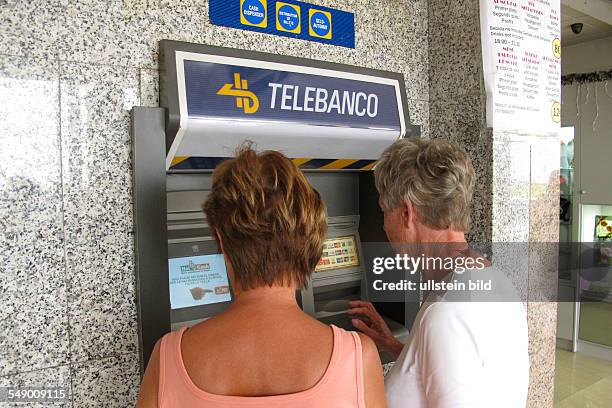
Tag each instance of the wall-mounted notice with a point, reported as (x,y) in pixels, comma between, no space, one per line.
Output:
(521,51)
(289,18)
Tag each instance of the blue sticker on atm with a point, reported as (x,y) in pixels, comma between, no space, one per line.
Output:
(320,23)
(254,13)
(268,94)
(289,18)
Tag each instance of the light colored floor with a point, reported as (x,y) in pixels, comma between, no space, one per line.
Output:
(596,322)
(582,381)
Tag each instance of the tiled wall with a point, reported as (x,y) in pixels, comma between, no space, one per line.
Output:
(517,188)
(70,71)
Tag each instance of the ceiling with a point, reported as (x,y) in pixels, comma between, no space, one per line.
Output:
(593,28)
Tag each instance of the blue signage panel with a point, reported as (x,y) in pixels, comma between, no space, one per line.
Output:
(322,115)
(288,18)
(231,91)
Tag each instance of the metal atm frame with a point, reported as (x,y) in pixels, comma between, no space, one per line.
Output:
(348,196)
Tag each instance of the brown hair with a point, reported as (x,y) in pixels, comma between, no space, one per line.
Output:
(272,223)
(436,176)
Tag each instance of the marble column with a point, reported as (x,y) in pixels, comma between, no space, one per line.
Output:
(517,191)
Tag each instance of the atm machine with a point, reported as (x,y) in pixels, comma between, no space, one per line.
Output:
(332,120)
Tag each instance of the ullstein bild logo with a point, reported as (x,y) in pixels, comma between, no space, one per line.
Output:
(245,99)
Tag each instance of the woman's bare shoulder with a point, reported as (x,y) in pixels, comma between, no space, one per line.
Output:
(369,350)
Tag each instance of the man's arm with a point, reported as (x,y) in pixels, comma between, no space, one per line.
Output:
(367,320)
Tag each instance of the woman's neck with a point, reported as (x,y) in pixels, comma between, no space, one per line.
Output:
(271,297)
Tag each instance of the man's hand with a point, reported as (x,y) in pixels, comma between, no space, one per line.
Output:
(367,320)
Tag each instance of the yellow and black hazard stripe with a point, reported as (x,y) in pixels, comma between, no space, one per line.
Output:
(334,164)
(196,163)
(210,163)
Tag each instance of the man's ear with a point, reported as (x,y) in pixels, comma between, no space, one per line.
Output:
(408,214)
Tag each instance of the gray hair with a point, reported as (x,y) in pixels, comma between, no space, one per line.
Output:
(436,176)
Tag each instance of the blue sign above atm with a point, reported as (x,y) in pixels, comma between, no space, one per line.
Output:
(226,90)
(218,97)
(289,18)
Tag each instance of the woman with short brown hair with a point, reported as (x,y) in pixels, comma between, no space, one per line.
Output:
(264,350)
(270,222)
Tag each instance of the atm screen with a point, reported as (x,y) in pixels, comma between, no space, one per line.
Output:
(338,253)
(198,280)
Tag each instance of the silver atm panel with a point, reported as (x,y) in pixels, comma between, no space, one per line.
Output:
(169,223)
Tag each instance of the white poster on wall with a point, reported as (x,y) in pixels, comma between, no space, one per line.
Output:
(521,52)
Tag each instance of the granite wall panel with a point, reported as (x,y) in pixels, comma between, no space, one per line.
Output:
(107,383)
(33,309)
(29,28)
(96,162)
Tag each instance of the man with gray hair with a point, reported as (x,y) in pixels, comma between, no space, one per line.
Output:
(459,353)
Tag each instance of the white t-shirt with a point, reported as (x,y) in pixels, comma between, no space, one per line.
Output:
(463,354)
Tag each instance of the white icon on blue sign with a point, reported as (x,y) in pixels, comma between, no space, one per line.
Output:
(253,12)
(288,17)
(320,23)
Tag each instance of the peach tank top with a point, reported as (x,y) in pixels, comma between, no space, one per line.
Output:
(341,385)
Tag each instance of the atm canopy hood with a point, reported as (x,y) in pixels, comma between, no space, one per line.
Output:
(321,115)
